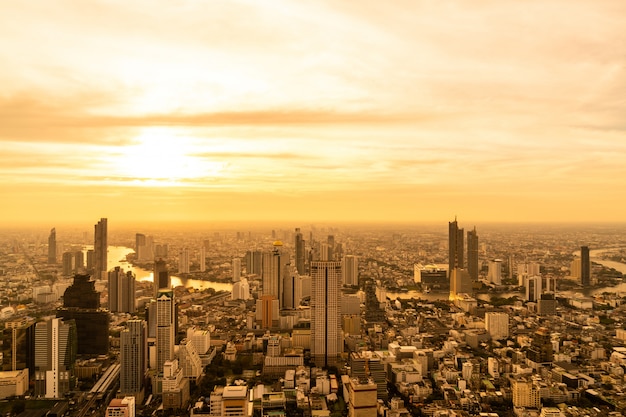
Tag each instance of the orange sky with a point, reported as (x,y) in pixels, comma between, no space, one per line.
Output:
(312,111)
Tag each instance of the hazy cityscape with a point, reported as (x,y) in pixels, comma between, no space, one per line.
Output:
(238,208)
(524,320)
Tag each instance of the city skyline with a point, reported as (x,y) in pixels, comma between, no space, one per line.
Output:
(317,112)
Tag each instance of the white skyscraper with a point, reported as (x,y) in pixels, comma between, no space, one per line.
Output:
(494,275)
(55,350)
(350,270)
(326,336)
(165,327)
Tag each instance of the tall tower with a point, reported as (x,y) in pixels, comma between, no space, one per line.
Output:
(202,259)
(273,270)
(299,252)
(100,247)
(52,246)
(133,356)
(472,254)
(350,270)
(455,247)
(585,266)
(236,269)
(18,345)
(165,327)
(183,261)
(55,354)
(121,291)
(326,337)
(161,276)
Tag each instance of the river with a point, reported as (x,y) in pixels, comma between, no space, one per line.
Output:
(117,257)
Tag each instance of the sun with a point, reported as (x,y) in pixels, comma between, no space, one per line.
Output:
(161,156)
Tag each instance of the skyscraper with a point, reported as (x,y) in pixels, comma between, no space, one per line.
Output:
(55,354)
(161,276)
(81,303)
(585,266)
(326,337)
(236,269)
(121,291)
(350,270)
(133,356)
(165,327)
(455,247)
(274,268)
(52,246)
(472,254)
(100,247)
(183,261)
(299,245)
(18,345)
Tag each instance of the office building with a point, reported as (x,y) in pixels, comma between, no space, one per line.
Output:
(472,254)
(55,354)
(326,335)
(100,248)
(300,252)
(497,325)
(67,261)
(455,247)
(274,269)
(362,401)
(18,345)
(585,266)
(79,261)
(121,407)
(81,303)
(52,246)
(460,283)
(525,394)
(236,269)
(350,270)
(494,274)
(144,247)
(540,350)
(183,261)
(161,276)
(165,327)
(121,291)
(202,260)
(189,360)
(201,339)
(133,357)
(254,262)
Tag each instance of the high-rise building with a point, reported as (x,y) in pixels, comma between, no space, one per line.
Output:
(81,303)
(55,354)
(274,268)
(497,325)
(585,266)
(525,394)
(183,261)
(52,246)
(472,254)
(326,336)
(202,259)
(254,262)
(18,345)
(540,350)
(68,263)
(455,247)
(100,248)
(161,276)
(121,291)
(165,327)
(133,357)
(350,270)
(494,275)
(236,269)
(79,261)
(189,359)
(299,245)
(144,247)
(460,283)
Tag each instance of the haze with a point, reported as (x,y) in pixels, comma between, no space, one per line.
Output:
(150,111)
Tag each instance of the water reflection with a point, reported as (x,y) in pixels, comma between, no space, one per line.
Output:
(117,257)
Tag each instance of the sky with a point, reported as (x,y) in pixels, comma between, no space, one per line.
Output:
(305,111)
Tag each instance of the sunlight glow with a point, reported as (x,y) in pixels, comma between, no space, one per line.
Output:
(160,156)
